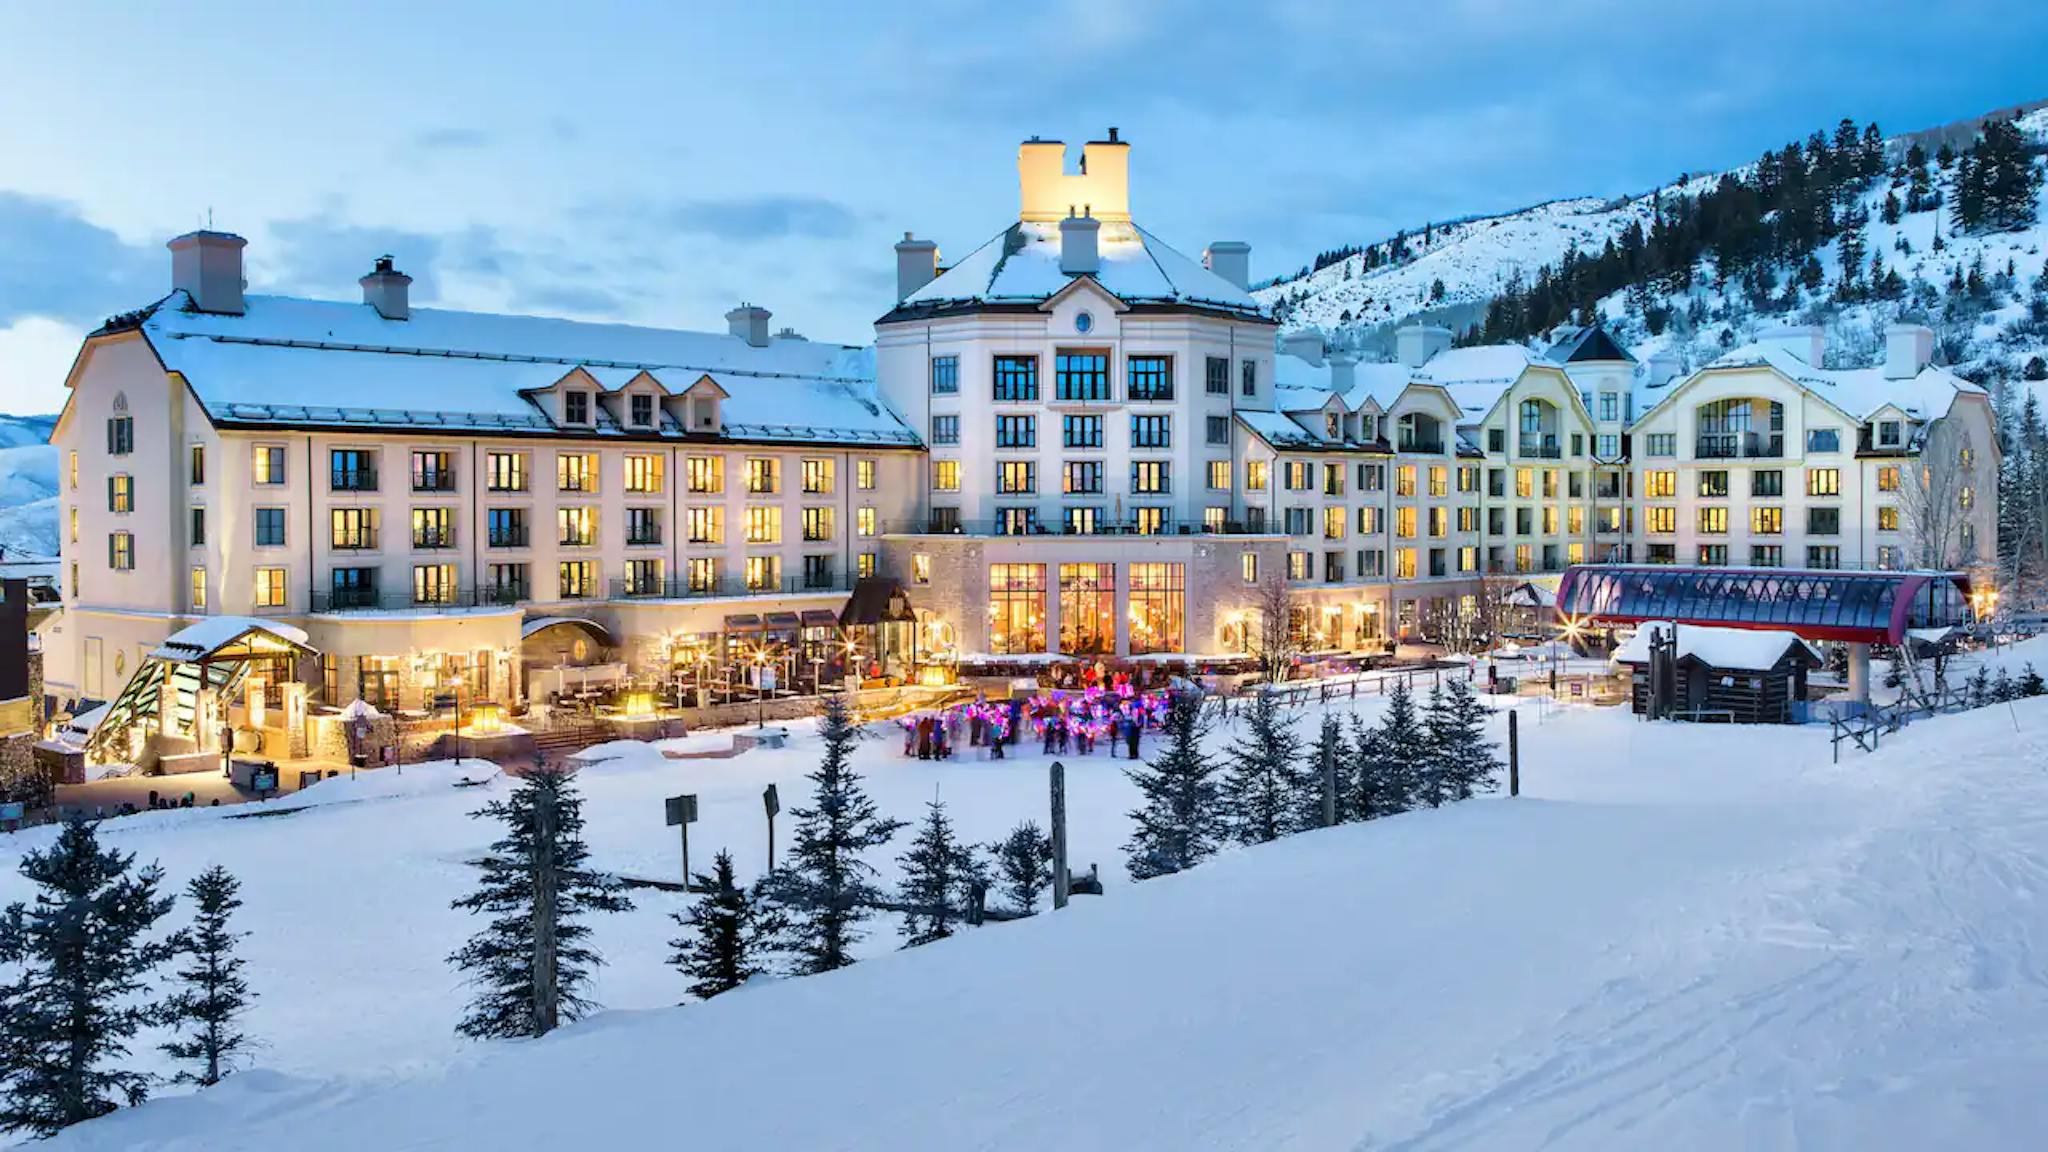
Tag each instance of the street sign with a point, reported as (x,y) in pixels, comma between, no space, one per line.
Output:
(681,810)
(768,679)
(771,801)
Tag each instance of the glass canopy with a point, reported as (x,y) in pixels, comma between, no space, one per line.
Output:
(1869,607)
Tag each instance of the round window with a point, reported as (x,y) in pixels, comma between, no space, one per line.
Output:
(1084,323)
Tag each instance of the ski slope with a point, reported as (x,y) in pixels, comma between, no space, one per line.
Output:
(1678,937)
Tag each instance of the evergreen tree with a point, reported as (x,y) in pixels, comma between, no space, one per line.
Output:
(938,871)
(1458,730)
(1179,822)
(1368,788)
(1263,781)
(210,1005)
(825,886)
(1432,775)
(1980,687)
(1403,752)
(2002,687)
(1024,861)
(728,933)
(78,994)
(532,960)
(1997,184)
(2031,683)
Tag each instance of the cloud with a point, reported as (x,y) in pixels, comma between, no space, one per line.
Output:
(324,257)
(451,139)
(763,218)
(578,298)
(56,263)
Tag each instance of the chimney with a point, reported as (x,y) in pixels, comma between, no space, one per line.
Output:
(1343,371)
(1304,344)
(1661,368)
(1232,260)
(788,333)
(1908,348)
(749,322)
(1806,341)
(1415,344)
(1079,255)
(917,264)
(388,290)
(208,266)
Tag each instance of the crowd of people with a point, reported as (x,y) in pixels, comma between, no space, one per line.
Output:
(1073,721)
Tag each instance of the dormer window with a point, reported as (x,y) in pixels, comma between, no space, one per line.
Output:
(576,408)
(1333,425)
(1368,426)
(640,409)
(1888,434)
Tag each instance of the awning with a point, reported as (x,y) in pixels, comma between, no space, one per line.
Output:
(784,622)
(232,636)
(819,618)
(743,622)
(877,600)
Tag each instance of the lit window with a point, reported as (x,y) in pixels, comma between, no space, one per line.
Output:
(764,475)
(270,587)
(269,465)
(643,474)
(706,474)
(764,525)
(864,475)
(575,472)
(818,523)
(817,476)
(920,568)
(864,521)
(121,551)
(198,588)
(945,475)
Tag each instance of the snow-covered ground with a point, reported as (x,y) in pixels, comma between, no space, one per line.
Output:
(1678,937)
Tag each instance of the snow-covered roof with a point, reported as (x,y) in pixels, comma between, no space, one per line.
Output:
(1575,345)
(1281,431)
(1860,392)
(198,641)
(474,371)
(1021,265)
(1741,649)
(1475,377)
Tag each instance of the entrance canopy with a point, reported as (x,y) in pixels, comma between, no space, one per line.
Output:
(539,624)
(231,638)
(1856,607)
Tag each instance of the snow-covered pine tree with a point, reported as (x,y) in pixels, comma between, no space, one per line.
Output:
(1370,795)
(938,871)
(824,886)
(81,958)
(1024,861)
(1263,780)
(209,1006)
(2002,687)
(531,961)
(1459,733)
(1404,752)
(1980,687)
(727,935)
(1433,774)
(1180,820)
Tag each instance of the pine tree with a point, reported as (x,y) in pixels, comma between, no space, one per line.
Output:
(1980,687)
(728,933)
(1263,779)
(532,960)
(214,995)
(2002,687)
(938,873)
(79,993)
(826,887)
(1024,860)
(1459,733)
(1997,184)
(1180,820)
(2031,683)
(1432,774)
(1403,752)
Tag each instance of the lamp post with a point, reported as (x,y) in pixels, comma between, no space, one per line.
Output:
(455,682)
(761,687)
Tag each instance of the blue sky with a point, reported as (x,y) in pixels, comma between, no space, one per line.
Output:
(658,163)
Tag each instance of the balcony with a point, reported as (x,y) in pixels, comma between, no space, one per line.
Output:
(372,599)
(355,542)
(643,537)
(1431,446)
(1539,448)
(683,588)
(433,480)
(352,480)
(1103,527)
(507,538)
(1739,446)
(432,541)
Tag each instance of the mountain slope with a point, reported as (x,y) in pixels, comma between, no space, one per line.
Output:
(1990,324)
(28,486)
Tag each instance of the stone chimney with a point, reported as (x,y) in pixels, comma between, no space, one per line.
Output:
(388,290)
(1079,253)
(1304,344)
(917,264)
(1908,348)
(1661,368)
(208,266)
(1808,342)
(1343,371)
(1415,344)
(1232,260)
(749,322)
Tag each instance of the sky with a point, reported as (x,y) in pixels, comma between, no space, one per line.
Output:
(659,163)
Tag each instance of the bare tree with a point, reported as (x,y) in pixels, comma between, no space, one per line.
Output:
(1469,625)
(1931,494)
(1268,636)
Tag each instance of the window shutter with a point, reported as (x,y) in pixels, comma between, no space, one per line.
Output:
(110,550)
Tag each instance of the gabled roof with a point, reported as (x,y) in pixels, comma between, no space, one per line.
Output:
(1476,377)
(1858,392)
(293,362)
(1586,345)
(1021,265)
(1736,649)
(216,634)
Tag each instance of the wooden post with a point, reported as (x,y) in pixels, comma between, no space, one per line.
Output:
(1329,786)
(1059,835)
(1514,754)
(544,914)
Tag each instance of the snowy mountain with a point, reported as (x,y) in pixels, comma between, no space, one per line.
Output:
(28,486)
(1980,290)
